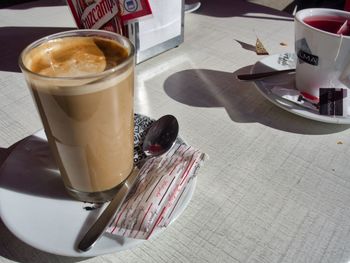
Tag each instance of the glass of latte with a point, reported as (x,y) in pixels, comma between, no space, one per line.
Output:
(82,82)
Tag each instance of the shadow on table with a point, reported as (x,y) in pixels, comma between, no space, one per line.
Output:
(229,8)
(26,4)
(17,38)
(14,249)
(241,100)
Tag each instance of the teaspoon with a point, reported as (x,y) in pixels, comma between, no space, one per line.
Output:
(255,76)
(160,137)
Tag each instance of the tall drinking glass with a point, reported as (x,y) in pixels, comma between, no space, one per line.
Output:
(82,82)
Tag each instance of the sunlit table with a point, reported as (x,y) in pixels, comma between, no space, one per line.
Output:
(276,187)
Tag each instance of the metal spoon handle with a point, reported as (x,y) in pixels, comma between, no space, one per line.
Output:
(255,76)
(101,224)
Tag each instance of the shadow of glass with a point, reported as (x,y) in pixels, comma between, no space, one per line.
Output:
(31,169)
(17,38)
(229,8)
(241,100)
(4,153)
(14,249)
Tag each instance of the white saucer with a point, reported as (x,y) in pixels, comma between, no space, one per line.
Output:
(264,86)
(36,208)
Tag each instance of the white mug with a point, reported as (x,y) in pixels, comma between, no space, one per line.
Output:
(323,57)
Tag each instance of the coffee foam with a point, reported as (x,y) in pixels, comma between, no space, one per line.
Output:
(67,57)
(74,63)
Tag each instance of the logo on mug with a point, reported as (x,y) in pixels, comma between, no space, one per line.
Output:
(308,58)
(304,52)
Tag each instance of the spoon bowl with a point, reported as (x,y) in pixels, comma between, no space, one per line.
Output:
(161,136)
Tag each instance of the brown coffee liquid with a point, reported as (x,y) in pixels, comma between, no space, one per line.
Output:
(88,121)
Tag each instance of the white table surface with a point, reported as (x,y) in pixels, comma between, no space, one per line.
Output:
(276,187)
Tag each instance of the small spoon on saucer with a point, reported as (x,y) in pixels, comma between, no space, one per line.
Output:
(255,76)
(160,137)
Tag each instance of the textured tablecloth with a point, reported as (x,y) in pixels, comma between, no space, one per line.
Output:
(276,187)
